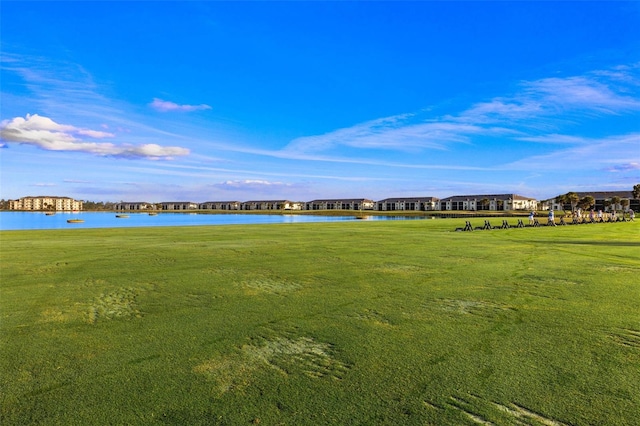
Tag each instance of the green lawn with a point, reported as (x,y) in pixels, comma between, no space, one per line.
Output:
(359,322)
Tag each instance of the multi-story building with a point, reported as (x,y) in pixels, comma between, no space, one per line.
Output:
(495,202)
(134,205)
(408,204)
(340,204)
(220,205)
(271,205)
(47,203)
(178,205)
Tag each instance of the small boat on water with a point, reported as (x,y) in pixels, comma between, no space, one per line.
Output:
(75,220)
(122,216)
(50,213)
(153,214)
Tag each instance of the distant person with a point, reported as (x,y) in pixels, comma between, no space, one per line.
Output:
(531,215)
(632,215)
(592,215)
(552,219)
(614,218)
(599,215)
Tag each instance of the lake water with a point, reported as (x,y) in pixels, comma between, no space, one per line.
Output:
(39,220)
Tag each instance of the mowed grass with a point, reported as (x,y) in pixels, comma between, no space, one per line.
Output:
(360,323)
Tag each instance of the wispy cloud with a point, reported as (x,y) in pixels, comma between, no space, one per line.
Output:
(631,166)
(46,134)
(400,132)
(250,184)
(540,106)
(166,106)
(67,90)
(609,154)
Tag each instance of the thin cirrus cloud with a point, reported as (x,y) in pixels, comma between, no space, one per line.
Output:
(46,134)
(249,184)
(167,106)
(609,154)
(543,105)
(401,132)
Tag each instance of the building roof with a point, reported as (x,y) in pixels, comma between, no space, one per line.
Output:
(47,196)
(340,200)
(487,196)
(409,199)
(269,201)
(220,202)
(177,202)
(134,202)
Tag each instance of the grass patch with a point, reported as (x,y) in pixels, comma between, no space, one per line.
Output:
(363,322)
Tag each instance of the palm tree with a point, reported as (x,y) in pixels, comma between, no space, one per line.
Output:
(615,201)
(562,200)
(586,202)
(624,203)
(484,203)
(573,198)
(636,191)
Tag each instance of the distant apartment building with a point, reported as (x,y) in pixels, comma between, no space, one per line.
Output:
(177,205)
(46,203)
(488,202)
(134,206)
(408,204)
(271,205)
(220,205)
(340,204)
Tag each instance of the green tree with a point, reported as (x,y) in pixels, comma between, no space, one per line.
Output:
(573,199)
(484,203)
(615,202)
(586,202)
(562,200)
(624,203)
(636,191)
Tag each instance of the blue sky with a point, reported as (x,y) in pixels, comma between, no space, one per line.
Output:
(199,101)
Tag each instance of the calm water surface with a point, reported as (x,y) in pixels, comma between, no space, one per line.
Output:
(39,220)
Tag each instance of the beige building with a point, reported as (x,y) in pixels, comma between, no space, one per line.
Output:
(408,204)
(271,205)
(134,205)
(340,204)
(220,205)
(177,205)
(493,202)
(46,203)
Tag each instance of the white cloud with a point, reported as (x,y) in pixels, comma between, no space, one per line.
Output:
(555,138)
(616,153)
(249,184)
(543,105)
(400,132)
(46,134)
(165,106)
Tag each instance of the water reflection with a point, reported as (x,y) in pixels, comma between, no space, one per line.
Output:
(40,220)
